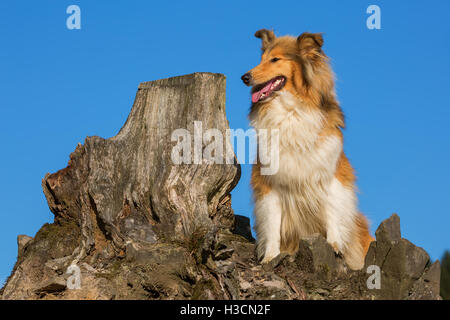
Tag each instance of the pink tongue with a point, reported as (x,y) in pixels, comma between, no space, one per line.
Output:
(257,95)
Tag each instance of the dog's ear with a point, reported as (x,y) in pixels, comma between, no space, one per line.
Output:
(310,44)
(267,36)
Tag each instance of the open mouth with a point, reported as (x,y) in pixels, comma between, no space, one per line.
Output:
(265,90)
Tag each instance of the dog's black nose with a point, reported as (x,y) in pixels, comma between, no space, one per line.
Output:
(246,78)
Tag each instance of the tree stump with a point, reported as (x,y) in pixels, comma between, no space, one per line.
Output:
(127,190)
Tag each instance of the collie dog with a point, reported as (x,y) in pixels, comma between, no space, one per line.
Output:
(313,190)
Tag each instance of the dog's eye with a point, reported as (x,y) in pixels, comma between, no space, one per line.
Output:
(274,59)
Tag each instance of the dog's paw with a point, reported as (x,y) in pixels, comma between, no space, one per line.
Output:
(269,255)
(335,247)
(266,253)
(267,259)
(336,250)
(272,263)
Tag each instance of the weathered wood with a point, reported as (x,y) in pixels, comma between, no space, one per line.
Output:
(127,190)
(129,183)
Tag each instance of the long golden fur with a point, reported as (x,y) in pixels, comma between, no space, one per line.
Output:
(314,190)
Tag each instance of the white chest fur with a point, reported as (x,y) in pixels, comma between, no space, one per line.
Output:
(302,154)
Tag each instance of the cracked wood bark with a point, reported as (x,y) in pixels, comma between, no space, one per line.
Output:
(128,189)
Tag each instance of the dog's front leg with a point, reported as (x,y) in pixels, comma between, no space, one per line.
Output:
(268,226)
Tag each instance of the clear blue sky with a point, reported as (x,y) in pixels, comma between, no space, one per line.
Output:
(58,86)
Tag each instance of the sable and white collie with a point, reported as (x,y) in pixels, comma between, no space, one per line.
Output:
(313,190)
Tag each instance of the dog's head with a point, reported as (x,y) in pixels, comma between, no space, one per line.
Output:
(297,65)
